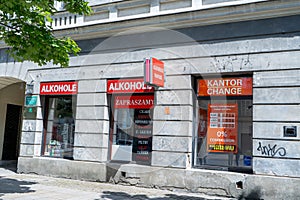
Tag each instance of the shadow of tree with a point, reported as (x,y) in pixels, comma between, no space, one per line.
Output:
(9,165)
(126,196)
(255,194)
(8,185)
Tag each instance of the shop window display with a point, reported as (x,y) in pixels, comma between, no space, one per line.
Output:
(60,126)
(224,135)
(131,134)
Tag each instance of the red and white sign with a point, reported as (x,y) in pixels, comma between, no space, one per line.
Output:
(154,72)
(134,102)
(225,87)
(127,86)
(58,88)
(222,128)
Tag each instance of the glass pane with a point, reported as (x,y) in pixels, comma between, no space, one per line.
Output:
(123,133)
(231,122)
(60,127)
(123,127)
(132,135)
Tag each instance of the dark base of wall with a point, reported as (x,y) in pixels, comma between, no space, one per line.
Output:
(228,184)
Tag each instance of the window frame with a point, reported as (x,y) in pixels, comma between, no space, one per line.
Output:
(112,109)
(45,100)
(220,98)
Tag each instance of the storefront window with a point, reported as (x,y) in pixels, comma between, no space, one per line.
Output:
(224,135)
(131,121)
(123,127)
(59,137)
(59,108)
(132,128)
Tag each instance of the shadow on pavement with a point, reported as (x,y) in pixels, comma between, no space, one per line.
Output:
(125,196)
(9,165)
(256,194)
(8,185)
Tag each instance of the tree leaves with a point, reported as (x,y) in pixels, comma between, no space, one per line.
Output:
(23,27)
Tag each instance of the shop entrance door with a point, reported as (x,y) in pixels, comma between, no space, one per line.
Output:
(11,132)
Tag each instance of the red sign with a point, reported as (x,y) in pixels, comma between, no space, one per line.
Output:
(222,128)
(154,72)
(225,87)
(58,88)
(134,102)
(127,86)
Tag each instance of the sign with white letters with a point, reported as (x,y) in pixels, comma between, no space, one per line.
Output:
(58,88)
(154,72)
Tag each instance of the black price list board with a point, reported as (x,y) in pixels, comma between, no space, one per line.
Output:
(142,141)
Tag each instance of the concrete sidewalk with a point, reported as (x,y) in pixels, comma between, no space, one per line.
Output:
(29,187)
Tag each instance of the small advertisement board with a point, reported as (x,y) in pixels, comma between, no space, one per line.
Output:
(154,72)
(30,112)
(30,109)
(222,130)
(30,100)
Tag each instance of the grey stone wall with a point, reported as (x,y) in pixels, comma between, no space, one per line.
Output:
(63,168)
(92,121)
(276,101)
(32,132)
(172,123)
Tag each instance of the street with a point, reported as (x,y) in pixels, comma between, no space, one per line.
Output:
(30,186)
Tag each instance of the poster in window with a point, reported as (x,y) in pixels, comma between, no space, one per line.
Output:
(222,128)
(142,141)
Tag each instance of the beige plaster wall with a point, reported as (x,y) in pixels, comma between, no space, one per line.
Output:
(12,94)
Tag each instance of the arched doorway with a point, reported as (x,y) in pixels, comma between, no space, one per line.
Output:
(12,92)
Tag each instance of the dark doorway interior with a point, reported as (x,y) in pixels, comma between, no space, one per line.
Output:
(11,133)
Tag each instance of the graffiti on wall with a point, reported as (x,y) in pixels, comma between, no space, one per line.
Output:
(29,126)
(269,150)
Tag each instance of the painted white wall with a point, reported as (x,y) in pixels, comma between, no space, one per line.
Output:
(12,94)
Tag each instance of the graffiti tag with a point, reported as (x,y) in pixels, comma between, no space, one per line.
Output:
(271,150)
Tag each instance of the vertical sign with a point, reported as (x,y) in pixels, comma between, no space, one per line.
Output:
(142,141)
(154,72)
(222,128)
(30,109)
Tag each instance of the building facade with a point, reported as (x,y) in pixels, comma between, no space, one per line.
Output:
(225,122)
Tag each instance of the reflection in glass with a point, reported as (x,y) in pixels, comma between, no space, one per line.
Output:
(243,156)
(60,127)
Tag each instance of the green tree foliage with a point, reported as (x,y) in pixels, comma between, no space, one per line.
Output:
(24,27)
